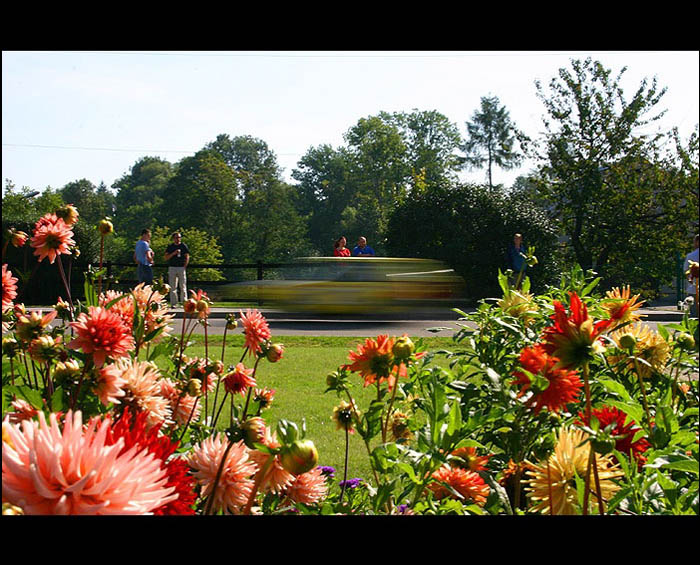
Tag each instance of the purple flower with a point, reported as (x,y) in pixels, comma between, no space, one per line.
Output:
(350,483)
(327,470)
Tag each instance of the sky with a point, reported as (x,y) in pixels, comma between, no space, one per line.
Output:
(71,115)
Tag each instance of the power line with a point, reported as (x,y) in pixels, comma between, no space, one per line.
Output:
(117,149)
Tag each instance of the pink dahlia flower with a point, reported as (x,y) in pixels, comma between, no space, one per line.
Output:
(235,483)
(9,288)
(256,330)
(143,391)
(276,477)
(52,237)
(47,469)
(103,334)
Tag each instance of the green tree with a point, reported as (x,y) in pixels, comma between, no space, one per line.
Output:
(203,193)
(600,171)
(469,227)
(140,195)
(492,138)
(204,249)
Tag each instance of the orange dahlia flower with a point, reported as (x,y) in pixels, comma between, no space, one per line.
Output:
(374,360)
(470,486)
(52,237)
(621,306)
(103,334)
(239,380)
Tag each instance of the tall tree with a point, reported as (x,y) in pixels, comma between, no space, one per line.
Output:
(140,195)
(597,166)
(492,138)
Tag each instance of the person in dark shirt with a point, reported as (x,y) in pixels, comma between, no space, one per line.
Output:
(178,257)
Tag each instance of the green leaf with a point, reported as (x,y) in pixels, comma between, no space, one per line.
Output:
(687,465)
(26,393)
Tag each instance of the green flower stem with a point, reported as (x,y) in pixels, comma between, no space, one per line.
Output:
(223,401)
(385,428)
(345,470)
(250,391)
(644,393)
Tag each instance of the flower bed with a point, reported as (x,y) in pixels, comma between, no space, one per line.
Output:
(563,403)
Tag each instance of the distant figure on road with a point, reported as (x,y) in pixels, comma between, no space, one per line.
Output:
(143,255)
(516,252)
(339,249)
(177,254)
(362,249)
(690,287)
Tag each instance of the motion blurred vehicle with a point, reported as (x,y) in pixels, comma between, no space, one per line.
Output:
(352,285)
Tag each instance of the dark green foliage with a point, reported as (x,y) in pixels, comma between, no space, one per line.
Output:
(470,228)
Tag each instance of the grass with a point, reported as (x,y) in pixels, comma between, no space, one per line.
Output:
(299,380)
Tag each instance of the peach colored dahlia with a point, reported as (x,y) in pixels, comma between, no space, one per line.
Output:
(71,469)
(183,406)
(143,391)
(309,487)
(235,484)
(101,333)
(52,237)
(110,384)
(276,477)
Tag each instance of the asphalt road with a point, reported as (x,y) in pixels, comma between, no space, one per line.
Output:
(355,327)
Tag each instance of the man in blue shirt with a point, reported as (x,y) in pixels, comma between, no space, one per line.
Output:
(362,249)
(143,255)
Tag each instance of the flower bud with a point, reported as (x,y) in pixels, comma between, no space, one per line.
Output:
(275,352)
(10,347)
(253,431)
(44,348)
(18,238)
(190,306)
(627,341)
(105,227)
(403,348)
(194,387)
(66,370)
(68,213)
(686,341)
(299,457)
(231,323)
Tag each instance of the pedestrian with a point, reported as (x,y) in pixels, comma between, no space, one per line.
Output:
(177,254)
(516,254)
(691,283)
(339,249)
(143,255)
(362,249)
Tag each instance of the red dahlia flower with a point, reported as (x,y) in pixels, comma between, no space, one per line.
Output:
(627,429)
(135,432)
(573,338)
(564,384)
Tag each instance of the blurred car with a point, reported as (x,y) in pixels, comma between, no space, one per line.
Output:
(347,285)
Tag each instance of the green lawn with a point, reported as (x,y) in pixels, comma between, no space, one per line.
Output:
(299,380)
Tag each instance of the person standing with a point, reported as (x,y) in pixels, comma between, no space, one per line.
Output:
(143,255)
(690,287)
(339,249)
(516,254)
(362,249)
(177,254)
